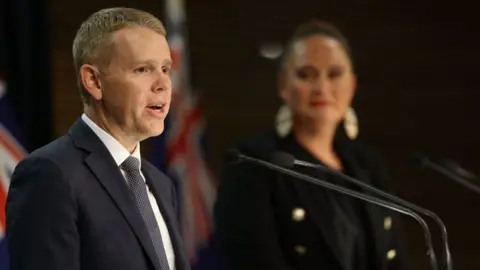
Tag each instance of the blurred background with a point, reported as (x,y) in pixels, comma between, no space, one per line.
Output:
(417,63)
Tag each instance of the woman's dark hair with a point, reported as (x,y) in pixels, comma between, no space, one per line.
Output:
(313,28)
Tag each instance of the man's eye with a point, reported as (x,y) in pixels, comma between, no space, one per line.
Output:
(141,70)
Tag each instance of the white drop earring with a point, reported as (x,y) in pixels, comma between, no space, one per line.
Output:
(283,121)
(350,123)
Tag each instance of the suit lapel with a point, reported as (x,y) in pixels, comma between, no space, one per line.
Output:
(154,181)
(319,201)
(110,177)
(374,212)
(328,218)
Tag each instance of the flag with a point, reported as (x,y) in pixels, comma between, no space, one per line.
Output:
(11,152)
(183,145)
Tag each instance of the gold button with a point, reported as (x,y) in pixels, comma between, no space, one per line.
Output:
(387,223)
(298,214)
(391,254)
(300,249)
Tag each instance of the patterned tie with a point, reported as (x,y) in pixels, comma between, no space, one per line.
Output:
(138,187)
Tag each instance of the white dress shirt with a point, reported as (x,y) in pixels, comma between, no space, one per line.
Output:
(120,154)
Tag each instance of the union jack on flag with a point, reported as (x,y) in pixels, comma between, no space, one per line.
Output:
(184,151)
(11,152)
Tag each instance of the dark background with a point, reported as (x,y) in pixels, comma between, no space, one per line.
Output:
(416,62)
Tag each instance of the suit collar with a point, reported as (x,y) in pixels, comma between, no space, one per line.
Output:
(104,167)
(84,138)
(374,212)
(117,150)
(318,202)
(320,207)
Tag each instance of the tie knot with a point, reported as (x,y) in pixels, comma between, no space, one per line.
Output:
(131,164)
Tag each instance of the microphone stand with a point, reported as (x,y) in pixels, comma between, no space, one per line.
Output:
(428,238)
(425,162)
(446,249)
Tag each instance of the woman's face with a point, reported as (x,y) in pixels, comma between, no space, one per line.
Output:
(318,82)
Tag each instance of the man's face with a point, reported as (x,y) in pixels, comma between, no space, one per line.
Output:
(136,85)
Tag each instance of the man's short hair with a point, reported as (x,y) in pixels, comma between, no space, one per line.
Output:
(93,41)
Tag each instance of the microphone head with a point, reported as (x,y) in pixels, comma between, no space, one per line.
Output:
(456,168)
(233,156)
(419,160)
(283,159)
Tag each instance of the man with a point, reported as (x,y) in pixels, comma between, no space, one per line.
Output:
(87,200)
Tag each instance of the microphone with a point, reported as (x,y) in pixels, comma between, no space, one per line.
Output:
(459,170)
(423,161)
(236,157)
(287,160)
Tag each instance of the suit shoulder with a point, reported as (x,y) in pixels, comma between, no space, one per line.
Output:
(61,155)
(263,142)
(42,169)
(364,151)
(57,151)
(373,161)
(260,145)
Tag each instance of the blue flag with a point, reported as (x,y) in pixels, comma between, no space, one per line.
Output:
(11,152)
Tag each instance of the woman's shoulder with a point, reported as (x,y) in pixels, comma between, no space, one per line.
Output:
(374,162)
(363,152)
(258,143)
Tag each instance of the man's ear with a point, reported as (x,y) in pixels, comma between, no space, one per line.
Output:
(89,76)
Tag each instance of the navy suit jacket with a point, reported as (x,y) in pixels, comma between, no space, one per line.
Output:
(69,207)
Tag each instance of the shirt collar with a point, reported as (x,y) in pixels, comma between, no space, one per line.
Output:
(118,152)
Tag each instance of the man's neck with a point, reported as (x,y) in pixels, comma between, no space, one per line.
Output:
(108,125)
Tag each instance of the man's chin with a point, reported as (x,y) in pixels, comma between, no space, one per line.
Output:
(149,132)
(157,131)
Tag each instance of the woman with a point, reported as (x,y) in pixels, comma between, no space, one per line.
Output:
(266,220)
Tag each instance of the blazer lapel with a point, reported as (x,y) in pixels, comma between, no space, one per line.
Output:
(323,208)
(154,182)
(110,177)
(374,212)
(329,218)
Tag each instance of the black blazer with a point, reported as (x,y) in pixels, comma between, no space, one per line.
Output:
(269,221)
(68,207)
